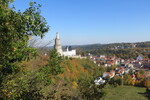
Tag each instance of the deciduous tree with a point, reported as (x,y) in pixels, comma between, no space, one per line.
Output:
(16,28)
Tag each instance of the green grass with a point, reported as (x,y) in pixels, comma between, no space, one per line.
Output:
(125,93)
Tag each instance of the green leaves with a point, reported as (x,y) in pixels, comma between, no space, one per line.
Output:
(54,63)
(15,30)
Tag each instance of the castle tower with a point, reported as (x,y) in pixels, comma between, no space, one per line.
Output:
(57,45)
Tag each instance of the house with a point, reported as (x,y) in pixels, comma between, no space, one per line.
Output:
(105,74)
(146,60)
(131,66)
(99,81)
(102,56)
(126,71)
(117,61)
(122,60)
(139,58)
(109,64)
(137,64)
(146,65)
(111,74)
(98,63)
(120,70)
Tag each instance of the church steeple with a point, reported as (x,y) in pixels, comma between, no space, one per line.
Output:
(57,45)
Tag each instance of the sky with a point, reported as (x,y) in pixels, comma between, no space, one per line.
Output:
(81,22)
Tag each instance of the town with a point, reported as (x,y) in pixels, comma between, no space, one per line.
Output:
(121,67)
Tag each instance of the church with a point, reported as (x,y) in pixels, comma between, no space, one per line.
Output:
(67,52)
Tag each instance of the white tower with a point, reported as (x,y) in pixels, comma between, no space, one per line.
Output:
(57,45)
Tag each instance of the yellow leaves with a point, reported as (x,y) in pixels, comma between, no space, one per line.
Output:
(3,90)
(60,75)
(7,23)
(14,49)
(29,37)
(10,82)
(9,94)
(67,70)
(75,69)
(74,85)
(53,80)
(20,78)
(132,82)
(147,83)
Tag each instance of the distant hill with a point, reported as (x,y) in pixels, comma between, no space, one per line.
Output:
(88,47)
(122,50)
(112,46)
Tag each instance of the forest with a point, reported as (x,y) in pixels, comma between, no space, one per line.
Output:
(142,48)
(112,45)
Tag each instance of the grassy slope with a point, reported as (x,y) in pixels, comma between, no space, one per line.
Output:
(126,93)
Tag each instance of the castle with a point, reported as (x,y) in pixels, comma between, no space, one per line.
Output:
(68,52)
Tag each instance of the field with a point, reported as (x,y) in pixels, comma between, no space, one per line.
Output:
(126,93)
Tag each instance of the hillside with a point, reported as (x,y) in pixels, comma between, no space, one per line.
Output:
(112,45)
(35,81)
(121,50)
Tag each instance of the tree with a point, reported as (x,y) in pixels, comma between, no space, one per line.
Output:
(117,80)
(141,72)
(90,91)
(147,83)
(16,28)
(54,63)
(128,80)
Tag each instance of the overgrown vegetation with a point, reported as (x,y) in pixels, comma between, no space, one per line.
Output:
(16,28)
(73,82)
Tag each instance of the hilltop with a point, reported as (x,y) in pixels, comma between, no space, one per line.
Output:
(38,81)
(112,45)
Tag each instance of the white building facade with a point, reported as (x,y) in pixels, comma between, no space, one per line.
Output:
(69,52)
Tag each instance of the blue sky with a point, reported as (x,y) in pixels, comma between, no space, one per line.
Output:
(95,21)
